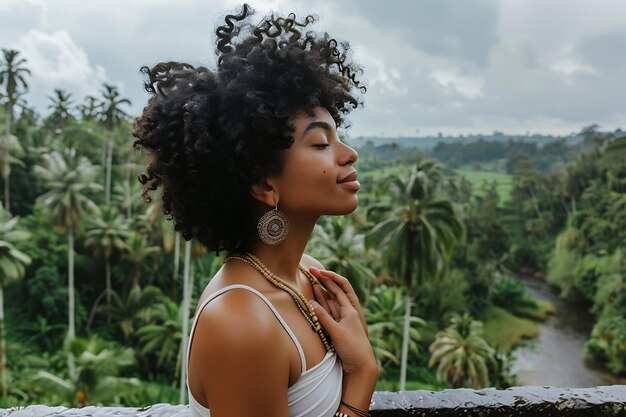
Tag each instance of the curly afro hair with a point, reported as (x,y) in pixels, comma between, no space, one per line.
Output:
(211,134)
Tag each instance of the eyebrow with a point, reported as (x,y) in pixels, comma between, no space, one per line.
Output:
(314,125)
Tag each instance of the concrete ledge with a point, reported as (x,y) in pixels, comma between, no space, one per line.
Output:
(524,401)
(156,410)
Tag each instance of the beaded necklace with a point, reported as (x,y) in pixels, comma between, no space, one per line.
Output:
(301,301)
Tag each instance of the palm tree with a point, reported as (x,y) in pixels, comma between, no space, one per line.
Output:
(136,306)
(137,250)
(384,314)
(97,365)
(169,237)
(90,109)
(60,105)
(13,73)
(40,332)
(176,260)
(192,250)
(111,116)
(10,149)
(418,233)
(340,249)
(163,337)
(12,267)
(127,195)
(69,180)
(106,233)
(462,354)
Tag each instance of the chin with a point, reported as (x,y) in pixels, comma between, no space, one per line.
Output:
(350,208)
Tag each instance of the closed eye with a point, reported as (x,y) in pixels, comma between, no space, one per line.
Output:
(321,145)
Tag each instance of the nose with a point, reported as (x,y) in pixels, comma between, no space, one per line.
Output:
(348,154)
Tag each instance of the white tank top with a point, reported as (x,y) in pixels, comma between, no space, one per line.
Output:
(316,393)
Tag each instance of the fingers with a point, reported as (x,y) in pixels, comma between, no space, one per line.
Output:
(330,276)
(341,282)
(337,293)
(324,290)
(335,309)
(320,297)
(327,300)
(324,317)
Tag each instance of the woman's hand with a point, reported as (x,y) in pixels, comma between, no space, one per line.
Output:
(342,318)
(322,297)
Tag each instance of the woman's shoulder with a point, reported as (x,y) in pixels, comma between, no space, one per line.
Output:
(239,308)
(234,353)
(308,260)
(239,323)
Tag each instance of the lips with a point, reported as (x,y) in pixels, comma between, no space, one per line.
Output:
(351,177)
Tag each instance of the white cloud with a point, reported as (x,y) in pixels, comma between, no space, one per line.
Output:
(570,66)
(431,64)
(55,58)
(453,83)
(56,61)
(381,77)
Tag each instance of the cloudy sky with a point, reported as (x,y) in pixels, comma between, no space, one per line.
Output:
(451,66)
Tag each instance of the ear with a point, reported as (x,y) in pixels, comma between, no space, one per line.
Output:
(265,191)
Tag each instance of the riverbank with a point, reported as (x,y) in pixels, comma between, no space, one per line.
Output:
(555,357)
(508,329)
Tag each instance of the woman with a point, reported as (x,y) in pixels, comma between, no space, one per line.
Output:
(248,159)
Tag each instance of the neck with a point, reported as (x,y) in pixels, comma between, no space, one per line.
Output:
(283,259)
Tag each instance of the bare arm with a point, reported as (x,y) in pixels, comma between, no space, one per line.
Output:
(244,370)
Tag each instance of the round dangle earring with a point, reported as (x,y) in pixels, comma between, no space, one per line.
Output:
(273,227)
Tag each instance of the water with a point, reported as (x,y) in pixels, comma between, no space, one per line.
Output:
(555,358)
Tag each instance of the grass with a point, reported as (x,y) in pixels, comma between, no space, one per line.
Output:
(392,168)
(496,165)
(477,175)
(504,182)
(504,329)
(540,312)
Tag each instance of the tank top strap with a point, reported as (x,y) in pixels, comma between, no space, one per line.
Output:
(262,297)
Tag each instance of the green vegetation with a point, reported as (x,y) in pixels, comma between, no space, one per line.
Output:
(462,353)
(95,304)
(504,329)
(418,231)
(482,180)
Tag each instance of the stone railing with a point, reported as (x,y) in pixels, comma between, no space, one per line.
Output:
(511,402)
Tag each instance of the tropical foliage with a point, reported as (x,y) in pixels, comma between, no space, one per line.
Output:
(462,354)
(95,379)
(418,229)
(430,252)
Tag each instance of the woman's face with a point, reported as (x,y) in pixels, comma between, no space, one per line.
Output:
(313,166)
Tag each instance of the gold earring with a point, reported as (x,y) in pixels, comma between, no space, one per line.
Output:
(273,227)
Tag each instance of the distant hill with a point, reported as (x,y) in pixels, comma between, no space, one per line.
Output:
(429,142)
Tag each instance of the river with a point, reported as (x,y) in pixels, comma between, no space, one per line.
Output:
(555,358)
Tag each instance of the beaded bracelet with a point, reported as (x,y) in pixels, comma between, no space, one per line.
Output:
(358,412)
(340,414)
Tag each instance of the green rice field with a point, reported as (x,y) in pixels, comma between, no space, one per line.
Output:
(477,178)
(504,182)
